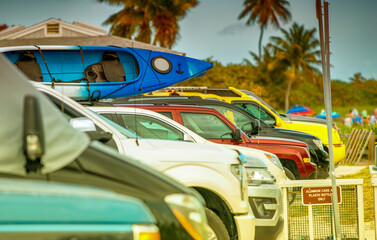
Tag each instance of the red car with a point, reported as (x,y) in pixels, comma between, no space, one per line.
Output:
(212,125)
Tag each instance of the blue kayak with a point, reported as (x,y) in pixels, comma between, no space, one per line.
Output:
(100,72)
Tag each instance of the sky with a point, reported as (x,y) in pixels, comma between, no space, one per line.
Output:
(212,29)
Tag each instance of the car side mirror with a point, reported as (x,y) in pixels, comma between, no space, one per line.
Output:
(256,126)
(83,124)
(33,137)
(87,125)
(187,138)
(237,135)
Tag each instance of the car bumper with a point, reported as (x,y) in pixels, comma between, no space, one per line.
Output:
(339,151)
(266,202)
(245,226)
(322,164)
(270,232)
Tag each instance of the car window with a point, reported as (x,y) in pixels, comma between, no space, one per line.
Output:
(167,114)
(257,112)
(148,127)
(120,129)
(242,121)
(207,125)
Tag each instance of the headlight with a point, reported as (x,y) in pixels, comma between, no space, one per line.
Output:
(258,176)
(190,213)
(238,171)
(273,158)
(318,143)
(145,232)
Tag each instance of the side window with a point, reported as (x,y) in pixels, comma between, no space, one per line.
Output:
(207,125)
(258,112)
(167,114)
(148,127)
(109,116)
(242,121)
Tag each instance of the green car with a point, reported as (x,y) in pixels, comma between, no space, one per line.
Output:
(42,210)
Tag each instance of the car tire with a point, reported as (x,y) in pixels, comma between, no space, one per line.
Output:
(289,174)
(217,229)
(291,192)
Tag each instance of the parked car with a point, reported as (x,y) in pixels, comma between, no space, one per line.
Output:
(246,122)
(39,144)
(216,173)
(45,210)
(213,126)
(264,195)
(265,113)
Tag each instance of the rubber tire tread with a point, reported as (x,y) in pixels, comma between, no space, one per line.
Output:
(217,225)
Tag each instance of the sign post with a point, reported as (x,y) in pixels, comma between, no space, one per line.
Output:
(325,56)
(319,195)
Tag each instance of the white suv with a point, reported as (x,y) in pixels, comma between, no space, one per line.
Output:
(217,173)
(264,195)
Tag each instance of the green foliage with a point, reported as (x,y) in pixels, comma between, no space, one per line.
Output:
(367,192)
(139,19)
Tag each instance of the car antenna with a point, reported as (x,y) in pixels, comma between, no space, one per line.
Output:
(135,122)
(259,118)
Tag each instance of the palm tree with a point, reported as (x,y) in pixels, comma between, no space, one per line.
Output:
(264,12)
(3,26)
(297,53)
(140,19)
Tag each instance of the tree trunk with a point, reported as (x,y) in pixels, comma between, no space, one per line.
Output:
(291,79)
(260,44)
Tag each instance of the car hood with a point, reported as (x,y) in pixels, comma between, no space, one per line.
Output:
(297,134)
(63,144)
(295,118)
(166,150)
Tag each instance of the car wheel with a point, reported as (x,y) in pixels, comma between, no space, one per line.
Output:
(291,192)
(216,228)
(289,174)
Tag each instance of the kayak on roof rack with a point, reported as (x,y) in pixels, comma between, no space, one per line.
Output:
(100,72)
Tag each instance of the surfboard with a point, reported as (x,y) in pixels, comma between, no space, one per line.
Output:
(101,72)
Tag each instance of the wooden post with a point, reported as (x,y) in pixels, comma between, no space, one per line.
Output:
(356,147)
(371,147)
(351,145)
(365,144)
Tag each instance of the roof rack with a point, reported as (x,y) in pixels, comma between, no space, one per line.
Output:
(219,91)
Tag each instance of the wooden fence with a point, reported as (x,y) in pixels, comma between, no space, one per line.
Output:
(356,145)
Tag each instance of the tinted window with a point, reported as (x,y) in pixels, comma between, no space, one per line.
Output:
(207,125)
(167,114)
(240,119)
(257,112)
(148,127)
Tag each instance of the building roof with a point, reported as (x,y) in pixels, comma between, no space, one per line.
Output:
(76,33)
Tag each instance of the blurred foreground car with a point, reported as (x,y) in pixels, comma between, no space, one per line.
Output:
(38,143)
(41,210)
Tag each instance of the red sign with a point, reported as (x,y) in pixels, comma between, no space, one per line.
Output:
(319,195)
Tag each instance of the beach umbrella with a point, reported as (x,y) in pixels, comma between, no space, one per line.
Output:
(323,115)
(300,110)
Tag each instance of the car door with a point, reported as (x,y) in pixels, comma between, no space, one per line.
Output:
(208,126)
(149,127)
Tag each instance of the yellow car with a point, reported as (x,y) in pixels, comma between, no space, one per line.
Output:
(260,109)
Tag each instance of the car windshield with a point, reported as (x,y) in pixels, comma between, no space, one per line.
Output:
(242,120)
(253,95)
(121,129)
(258,112)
